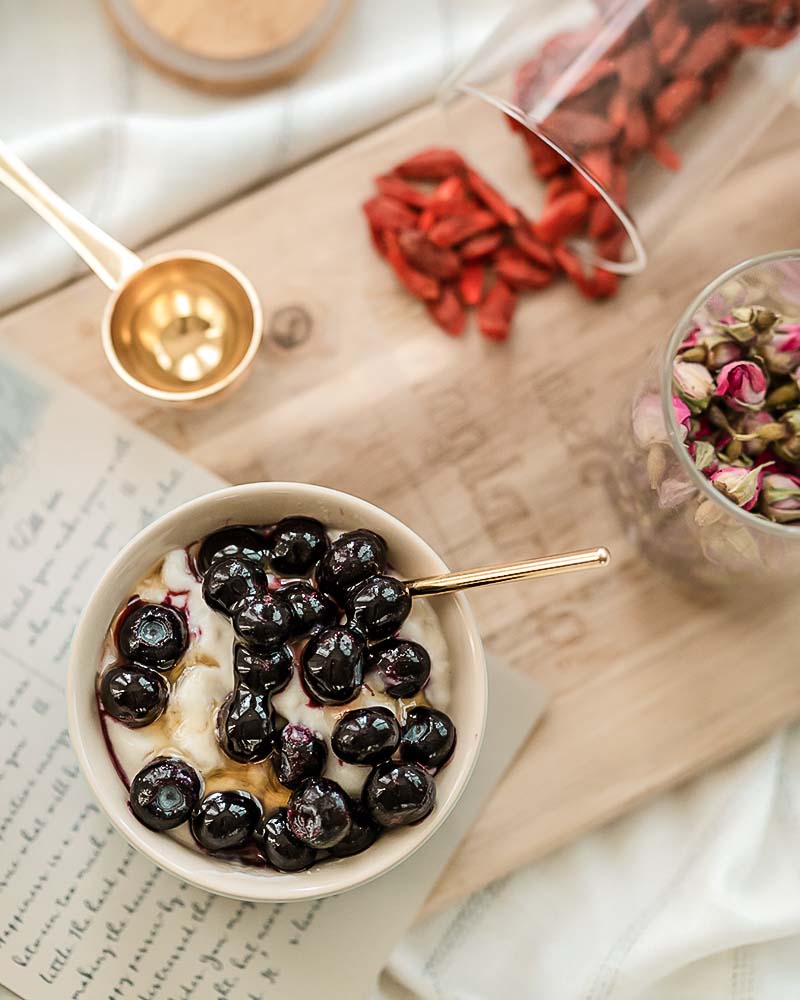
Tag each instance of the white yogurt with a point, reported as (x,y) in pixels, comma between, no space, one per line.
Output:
(188,727)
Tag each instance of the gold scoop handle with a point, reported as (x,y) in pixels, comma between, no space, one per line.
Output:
(111,261)
(564,562)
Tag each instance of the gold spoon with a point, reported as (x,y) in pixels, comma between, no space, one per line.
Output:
(564,562)
(179,327)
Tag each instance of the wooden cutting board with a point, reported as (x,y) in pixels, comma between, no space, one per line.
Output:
(491,453)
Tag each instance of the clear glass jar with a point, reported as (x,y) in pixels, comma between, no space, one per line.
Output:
(670,509)
(650,101)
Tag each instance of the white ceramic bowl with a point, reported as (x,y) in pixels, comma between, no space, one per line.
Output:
(264,503)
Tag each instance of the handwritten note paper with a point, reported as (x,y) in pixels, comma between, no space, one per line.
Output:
(82,915)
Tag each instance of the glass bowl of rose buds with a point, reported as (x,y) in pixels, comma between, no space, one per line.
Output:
(628,110)
(708,469)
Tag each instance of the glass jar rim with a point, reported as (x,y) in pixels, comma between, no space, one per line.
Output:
(679,330)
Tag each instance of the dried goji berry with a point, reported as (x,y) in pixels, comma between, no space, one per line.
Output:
(452,206)
(397,188)
(710,47)
(665,154)
(569,263)
(557,186)
(515,268)
(491,198)
(580,129)
(448,312)
(536,251)
(456,228)
(496,311)
(636,131)
(672,45)
(635,67)
(676,101)
(598,163)
(611,246)
(430,165)
(603,69)
(426,220)
(544,159)
(563,216)
(470,284)
(480,246)
(389,213)
(426,256)
(451,189)
(419,284)
(602,219)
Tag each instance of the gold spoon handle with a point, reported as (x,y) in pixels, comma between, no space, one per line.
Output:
(111,261)
(564,562)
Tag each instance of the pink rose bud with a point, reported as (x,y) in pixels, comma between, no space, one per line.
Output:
(743,385)
(704,456)
(751,424)
(781,351)
(648,420)
(743,486)
(683,416)
(694,383)
(789,448)
(780,498)
(690,340)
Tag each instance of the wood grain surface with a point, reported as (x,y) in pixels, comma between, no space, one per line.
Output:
(491,453)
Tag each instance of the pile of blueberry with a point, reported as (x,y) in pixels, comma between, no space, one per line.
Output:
(333,615)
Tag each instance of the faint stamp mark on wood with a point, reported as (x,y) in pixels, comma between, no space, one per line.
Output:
(290,327)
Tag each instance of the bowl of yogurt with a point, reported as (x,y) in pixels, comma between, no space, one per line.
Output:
(258,705)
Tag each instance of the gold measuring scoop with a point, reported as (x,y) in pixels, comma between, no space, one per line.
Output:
(179,327)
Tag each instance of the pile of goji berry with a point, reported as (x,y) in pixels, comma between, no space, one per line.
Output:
(460,243)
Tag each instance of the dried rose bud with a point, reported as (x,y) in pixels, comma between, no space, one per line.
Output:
(743,385)
(743,486)
(780,497)
(756,317)
(704,456)
(789,448)
(712,349)
(648,420)
(781,349)
(683,416)
(694,383)
(757,430)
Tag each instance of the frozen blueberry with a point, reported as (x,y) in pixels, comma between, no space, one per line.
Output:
(132,695)
(311,610)
(398,794)
(363,834)
(333,666)
(153,635)
(245,726)
(230,581)
(296,545)
(429,737)
(318,813)
(234,541)
(300,754)
(164,793)
(280,847)
(379,606)
(403,666)
(262,622)
(264,673)
(366,735)
(352,558)
(225,821)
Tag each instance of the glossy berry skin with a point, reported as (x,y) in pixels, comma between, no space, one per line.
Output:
(429,737)
(363,834)
(300,754)
(311,610)
(296,545)
(232,580)
(262,622)
(398,794)
(245,726)
(225,821)
(264,673)
(164,793)
(379,606)
(134,696)
(318,813)
(403,666)
(333,666)
(366,736)
(153,635)
(237,540)
(352,558)
(281,849)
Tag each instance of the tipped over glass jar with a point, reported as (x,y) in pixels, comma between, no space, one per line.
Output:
(707,472)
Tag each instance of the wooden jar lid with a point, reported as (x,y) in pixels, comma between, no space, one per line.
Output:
(233,45)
